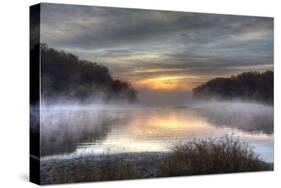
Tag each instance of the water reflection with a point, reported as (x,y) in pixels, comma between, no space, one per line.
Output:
(250,117)
(62,131)
(91,131)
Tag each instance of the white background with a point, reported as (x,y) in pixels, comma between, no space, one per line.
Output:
(14,91)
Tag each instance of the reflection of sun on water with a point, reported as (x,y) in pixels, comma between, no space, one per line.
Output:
(156,123)
(156,131)
(166,123)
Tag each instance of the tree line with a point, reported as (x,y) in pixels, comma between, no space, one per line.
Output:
(65,77)
(253,86)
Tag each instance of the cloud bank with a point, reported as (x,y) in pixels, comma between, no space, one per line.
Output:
(160,49)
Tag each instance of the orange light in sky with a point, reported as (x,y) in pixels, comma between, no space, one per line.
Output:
(167,83)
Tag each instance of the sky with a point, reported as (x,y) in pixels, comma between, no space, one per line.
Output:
(160,51)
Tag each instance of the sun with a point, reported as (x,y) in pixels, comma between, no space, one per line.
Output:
(166,83)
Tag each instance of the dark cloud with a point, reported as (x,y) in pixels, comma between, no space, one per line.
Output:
(137,44)
(86,26)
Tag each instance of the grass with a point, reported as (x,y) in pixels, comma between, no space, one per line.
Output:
(116,169)
(100,170)
(211,156)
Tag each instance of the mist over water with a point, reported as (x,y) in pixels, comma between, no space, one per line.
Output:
(251,117)
(71,130)
(170,98)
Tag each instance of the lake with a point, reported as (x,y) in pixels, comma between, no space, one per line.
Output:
(70,130)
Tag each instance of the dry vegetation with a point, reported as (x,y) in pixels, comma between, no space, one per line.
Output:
(106,169)
(212,156)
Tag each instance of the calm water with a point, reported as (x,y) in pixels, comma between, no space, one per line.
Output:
(75,131)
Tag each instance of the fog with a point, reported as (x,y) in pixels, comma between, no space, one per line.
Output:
(67,127)
(149,97)
(248,116)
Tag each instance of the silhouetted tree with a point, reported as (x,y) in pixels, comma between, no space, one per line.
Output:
(65,77)
(249,86)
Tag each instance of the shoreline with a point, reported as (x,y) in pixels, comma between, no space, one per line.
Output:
(144,162)
(138,165)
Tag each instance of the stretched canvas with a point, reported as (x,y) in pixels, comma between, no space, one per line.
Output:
(118,94)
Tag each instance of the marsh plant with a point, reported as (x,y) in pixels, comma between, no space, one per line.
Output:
(210,156)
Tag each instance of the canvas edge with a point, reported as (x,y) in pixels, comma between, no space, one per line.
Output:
(34,96)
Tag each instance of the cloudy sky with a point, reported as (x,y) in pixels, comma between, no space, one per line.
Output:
(160,50)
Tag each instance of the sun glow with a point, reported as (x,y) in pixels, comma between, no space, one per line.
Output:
(167,83)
